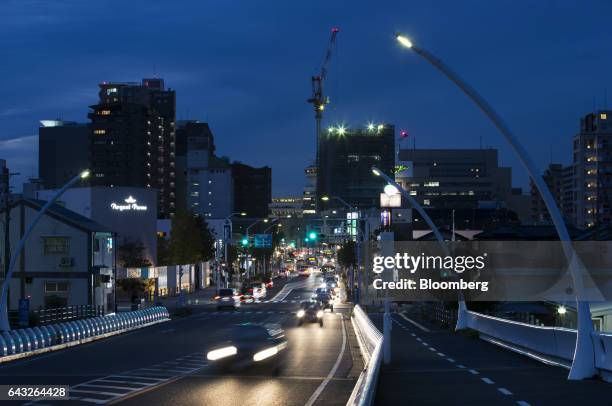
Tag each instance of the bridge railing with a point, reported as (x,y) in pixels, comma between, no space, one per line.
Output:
(370,342)
(30,341)
(554,345)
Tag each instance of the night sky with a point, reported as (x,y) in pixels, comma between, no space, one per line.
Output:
(245,68)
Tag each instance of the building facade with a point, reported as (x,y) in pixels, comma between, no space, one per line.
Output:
(286,207)
(446,179)
(63,151)
(592,160)
(208,179)
(130,212)
(560,182)
(252,189)
(132,139)
(67,260)
(345,164)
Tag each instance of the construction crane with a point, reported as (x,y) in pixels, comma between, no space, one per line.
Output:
(318,100)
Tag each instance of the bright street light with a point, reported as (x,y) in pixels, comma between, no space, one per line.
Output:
(375,172)
(561,310)
(390,190)
(403,40)
(85,174)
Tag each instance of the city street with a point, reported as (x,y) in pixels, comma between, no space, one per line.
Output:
(137,368)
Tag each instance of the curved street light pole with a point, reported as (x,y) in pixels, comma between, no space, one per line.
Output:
(4,321)
(583,365)
(462,311)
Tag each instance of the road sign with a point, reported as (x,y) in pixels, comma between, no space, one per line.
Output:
(263,241)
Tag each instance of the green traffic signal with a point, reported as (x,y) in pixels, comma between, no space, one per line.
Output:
(306,239)
(245,242)
(312,235)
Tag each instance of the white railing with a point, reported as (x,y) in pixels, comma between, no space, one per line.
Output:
(554,345)
(371,343)
(25,342)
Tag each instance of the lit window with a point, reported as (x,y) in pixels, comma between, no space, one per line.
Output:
(99,132)
(56,287)
(603,116)
(413,193)
(104,112)
(431,184)
(426,202)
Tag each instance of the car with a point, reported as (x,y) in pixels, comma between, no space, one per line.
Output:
(311,312)
(269,284)
(304,272)
(248,345)
(227,298)
(257,290)
(331,281)
(325,300)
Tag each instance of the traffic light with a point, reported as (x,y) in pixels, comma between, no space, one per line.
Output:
(312,235)
(245,241)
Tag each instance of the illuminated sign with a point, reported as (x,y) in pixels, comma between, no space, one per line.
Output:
(131,204)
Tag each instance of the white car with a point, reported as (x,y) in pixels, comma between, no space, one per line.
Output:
(228,298)
(258,290)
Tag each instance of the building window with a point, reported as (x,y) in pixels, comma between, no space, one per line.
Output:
(56,287)
(104,112)
(426,202)
(431,184)
(603,116)
(56,245)
(99,132)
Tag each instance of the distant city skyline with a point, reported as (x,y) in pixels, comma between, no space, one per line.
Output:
(249,78)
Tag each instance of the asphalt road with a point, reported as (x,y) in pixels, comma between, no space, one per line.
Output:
(432,366)
(165,364)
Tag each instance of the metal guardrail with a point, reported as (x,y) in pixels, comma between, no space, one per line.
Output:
(371,344)
(30,339)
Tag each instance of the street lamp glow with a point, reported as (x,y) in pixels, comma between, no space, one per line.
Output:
(331,130)
(381,127)
(312,235)
(391,190)
(341,130)
(265,220)
(325,198)
(561,310)
(370,126)
(243,214)
(375,172)
(403,40)
(85,174)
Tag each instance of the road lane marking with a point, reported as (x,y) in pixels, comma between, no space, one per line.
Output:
(450,360)
(441,354)
(504,391)
(487,381)
(460,366)
(331,374)
(522,403)
(414,323)
(473,371)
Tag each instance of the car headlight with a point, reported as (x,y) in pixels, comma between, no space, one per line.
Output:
(320,313)
(267,353)
(222,353)
(301,313)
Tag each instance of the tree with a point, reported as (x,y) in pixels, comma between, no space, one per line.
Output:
(208,240)
(347,255)
(131,254)
(163,251)
(185,239)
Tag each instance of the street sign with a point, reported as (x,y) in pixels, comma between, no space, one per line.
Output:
(263,241)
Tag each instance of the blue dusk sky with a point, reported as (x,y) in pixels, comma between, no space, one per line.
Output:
(244,67)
